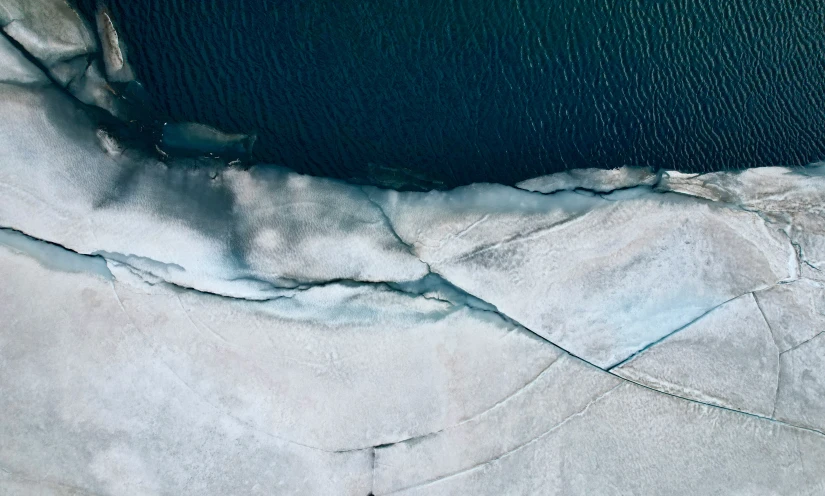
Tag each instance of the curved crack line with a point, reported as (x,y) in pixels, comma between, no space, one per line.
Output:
(610,370)
(623,381)
(219,410)
(546,433)
(733,410)
(778,354)
(803,342)
(473,417)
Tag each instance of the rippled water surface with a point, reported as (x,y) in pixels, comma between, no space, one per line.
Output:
(491,90)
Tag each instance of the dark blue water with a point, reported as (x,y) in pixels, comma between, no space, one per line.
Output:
(491,90)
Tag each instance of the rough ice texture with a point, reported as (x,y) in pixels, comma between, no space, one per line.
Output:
(600,277)
(630,440)
(182,327)
(727,358)
(295,367)
(562,390)
(92,402)
(242,233)
(801,394)
(790,199)
(50,30)
(795,312)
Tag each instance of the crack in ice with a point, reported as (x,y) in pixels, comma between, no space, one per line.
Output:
(479,305)
(546,433)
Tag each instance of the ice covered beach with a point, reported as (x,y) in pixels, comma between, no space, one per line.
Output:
(183,327)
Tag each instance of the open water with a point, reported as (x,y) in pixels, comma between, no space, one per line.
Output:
(457,91)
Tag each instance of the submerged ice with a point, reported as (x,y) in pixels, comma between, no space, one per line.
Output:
(183,327)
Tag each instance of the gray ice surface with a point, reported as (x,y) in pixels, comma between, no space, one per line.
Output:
(15,68)
(92,403)
(50,30)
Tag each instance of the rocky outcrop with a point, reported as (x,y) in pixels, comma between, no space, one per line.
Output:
(113,49)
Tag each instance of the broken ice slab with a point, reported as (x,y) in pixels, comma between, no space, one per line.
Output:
(794,311)
(801,395)
(595,180)
(602,277)
(293,368)
(791,199)
(727,357)
(200,139)
(240,233)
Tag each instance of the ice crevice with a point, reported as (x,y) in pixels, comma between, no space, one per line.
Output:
(432,286)
(42,67)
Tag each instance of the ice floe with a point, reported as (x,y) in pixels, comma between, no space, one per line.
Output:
(181,326)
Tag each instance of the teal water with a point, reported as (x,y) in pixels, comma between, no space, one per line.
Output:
(459,91)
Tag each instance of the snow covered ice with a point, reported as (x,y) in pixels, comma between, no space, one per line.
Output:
(183,327)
